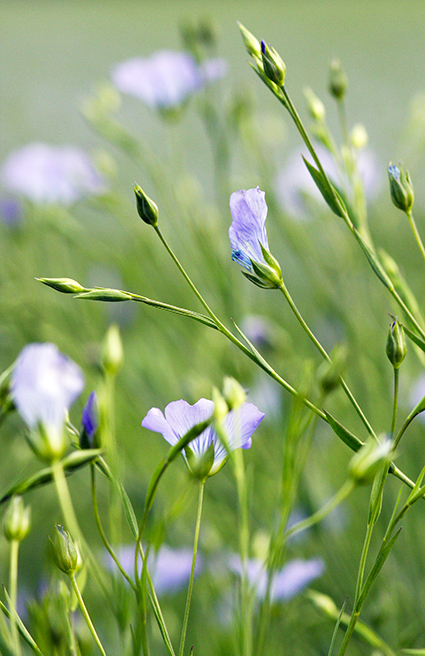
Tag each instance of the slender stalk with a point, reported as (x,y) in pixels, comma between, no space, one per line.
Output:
(342,116)
(192,571)
(320,514)
(13,584)
(326,356)
(416,233)
(65,500)
(395,402)
(86,614)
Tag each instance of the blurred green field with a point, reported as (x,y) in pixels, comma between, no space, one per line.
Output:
(54,55)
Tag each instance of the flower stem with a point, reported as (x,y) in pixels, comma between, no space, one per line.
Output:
(65,500)
(416,233)
(86,614)
(192,571)
(13,584)
(395,402)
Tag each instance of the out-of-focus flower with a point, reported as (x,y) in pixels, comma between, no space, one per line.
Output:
(287,582)
(169,568)
(165,79)
(401,187)
(10,211)
(51,174)
(44,384)
(248,238)
(180,417)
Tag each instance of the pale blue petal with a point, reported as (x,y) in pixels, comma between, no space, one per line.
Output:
(44,384)
(182,416)
(295,576)
(155,421)
(247,232)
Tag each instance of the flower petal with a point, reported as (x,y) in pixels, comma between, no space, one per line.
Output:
(247,232)
(182,416)
(155,421)
(295,576)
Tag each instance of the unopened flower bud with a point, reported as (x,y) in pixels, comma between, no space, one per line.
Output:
(396,344)
(252,44)
(358,136)
(401,188)
(64,285)
(314,105)
(274,67)
(89,424)
(112,355)
(364,465)
(233,393)
(64,551)
(17,520)
(338,81)
(221,408)
(146,208)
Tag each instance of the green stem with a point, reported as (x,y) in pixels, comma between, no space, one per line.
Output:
(395,402)
(65,501)
(326,356)
(192,571)
(342,116)
(416,233)
(13,584)
(320,514)
(86,614)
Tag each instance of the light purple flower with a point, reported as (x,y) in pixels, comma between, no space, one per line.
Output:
(169,568)
(51,174)
(44,384)
(287,582)
(180,417)
(248,233)
(165,79)
(89,422)
(10,211)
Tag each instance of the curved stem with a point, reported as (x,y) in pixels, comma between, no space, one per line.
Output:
(86,614)
(416,233)
(395,402)
(192,571)
(65,500)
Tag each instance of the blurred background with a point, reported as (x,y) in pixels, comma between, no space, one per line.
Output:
(57,59)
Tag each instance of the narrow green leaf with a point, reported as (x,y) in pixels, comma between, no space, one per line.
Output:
(109,295)
(329,193)
(335,631)
(343,433)
(79,458)
(130,515)
(374,262)
(21,628)
(415,339)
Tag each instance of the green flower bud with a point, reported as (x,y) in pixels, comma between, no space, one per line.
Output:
(221,408)
(338,81)
(112,354)
(314,105)
(64,285)
(252,44)
(200,466)
(274,67)
(146,208)
(396,344)
(233,393)
(358,136)
(401,188)
(17,520)
(64,551)
(364,465)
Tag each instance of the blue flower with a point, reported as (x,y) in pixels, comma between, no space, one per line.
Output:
(180,417)
(248,238)
(44,384)
(89,422)
(294,576)
(165,79)
(51,174)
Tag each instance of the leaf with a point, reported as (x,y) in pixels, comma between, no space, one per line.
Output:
(415,339)
(343,433)
(130,515)
(328,191)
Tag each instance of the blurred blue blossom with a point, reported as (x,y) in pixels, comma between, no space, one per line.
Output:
(89,422)
(51,174)
(10,211)
(165,79)
(287,582)
(180,417)
(247,232)
(44,384)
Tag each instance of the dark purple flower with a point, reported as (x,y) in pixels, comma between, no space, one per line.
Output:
(165,79)
(51,174)
(180,417)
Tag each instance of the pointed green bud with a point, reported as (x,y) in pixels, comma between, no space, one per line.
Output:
(233,392)
(364,465)
(221,408)
(267,276)
(401,188)
(338,81)
(146,208)
(64,285)
(17,520)
(274,67)
(358,136)
(396,344)
(107,295)
(252,44)
(112,354)
(64,551)
(315,106)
